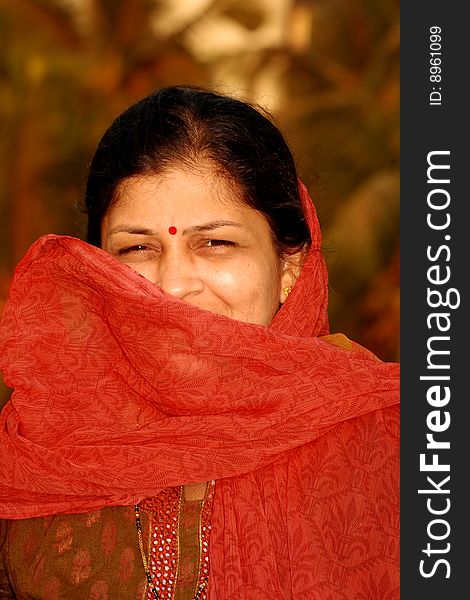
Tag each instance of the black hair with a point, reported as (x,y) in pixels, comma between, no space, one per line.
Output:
(187,127)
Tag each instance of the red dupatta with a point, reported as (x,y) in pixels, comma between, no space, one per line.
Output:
(122,390)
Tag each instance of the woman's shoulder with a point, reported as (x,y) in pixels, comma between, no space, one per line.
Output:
(342,341)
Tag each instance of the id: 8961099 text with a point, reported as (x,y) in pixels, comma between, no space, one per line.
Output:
(435,69)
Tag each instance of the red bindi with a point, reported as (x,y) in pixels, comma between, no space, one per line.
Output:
(172,230)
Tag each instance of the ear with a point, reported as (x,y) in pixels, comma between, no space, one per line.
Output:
(291,267)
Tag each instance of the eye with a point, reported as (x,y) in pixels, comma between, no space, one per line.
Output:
(138,248)
(217,243)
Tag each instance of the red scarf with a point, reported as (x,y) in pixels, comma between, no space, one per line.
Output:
(121,390)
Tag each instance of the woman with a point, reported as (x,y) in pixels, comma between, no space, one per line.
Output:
(185,427)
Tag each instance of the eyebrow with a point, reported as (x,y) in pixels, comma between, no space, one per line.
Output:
(132,229)
(210,226)
(194,229)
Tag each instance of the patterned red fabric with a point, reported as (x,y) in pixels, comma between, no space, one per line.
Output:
(122,390)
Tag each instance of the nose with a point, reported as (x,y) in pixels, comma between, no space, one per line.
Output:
(178,276)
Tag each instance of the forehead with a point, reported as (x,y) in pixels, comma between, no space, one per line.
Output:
(181,192)
(184,199)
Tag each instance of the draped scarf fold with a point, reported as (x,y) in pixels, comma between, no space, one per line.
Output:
(121,390)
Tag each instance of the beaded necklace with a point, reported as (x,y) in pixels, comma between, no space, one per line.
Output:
(153,585)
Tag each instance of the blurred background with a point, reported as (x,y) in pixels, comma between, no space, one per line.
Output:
(328,70)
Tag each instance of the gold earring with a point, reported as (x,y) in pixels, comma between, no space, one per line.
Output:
(287,290)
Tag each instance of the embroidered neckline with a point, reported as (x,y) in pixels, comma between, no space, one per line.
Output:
(162,567)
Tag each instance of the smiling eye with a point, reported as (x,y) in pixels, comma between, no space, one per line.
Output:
(130,249)
(218,243)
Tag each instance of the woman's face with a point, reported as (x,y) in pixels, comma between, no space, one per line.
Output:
(188,234)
